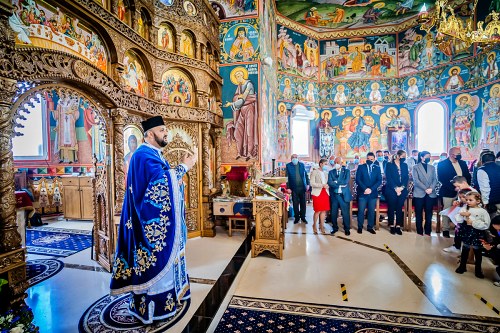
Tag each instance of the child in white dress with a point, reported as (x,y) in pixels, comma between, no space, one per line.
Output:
(474,221)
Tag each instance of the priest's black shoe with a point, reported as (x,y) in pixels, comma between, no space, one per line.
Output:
(360,231)
(347,233)
(371,231)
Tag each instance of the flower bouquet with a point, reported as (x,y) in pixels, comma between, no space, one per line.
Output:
(18,321)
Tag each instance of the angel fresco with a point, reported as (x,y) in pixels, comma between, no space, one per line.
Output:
(360,128)
(491,117)
(394,118)
(463,130)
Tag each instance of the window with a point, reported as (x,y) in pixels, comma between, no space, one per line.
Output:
(32,144)
(300,137)
(431,130)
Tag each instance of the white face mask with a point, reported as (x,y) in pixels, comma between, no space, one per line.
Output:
(337,166)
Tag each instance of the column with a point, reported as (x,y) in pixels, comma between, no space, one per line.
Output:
(218,156)
(198,50)
(118,117)
(205,136)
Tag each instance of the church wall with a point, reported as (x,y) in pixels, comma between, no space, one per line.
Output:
(408,70)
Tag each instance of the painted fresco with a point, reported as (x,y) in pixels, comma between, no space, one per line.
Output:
(268,36)
(287,88)
(465,130)
(132,139)
(269,131)
(355,58)
(122,11)
(283,121)
(230,8)
(239,41)
(75,129)
(331,15)
(490,136)
(454,78)
(134,77)
(187,44)
(37,23)
(166,39)
(189,8)
(176,88)
(141,26)
(297,54)
(240,111)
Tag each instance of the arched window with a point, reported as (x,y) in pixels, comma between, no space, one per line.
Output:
(431,127)
(32,143)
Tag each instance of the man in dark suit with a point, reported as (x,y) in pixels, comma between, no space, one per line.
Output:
(368,179)
(447,170)
(381,162)
(298,183)
(340,195)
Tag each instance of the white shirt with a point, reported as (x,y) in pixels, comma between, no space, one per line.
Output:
(479,217)
(484,185)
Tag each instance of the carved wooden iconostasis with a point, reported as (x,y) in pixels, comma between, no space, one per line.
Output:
(94,70)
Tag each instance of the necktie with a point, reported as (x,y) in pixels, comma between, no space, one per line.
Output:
(370,172)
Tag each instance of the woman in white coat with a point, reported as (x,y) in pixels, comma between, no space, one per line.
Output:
(320,194)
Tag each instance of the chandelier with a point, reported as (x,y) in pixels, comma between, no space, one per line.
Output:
(448,25)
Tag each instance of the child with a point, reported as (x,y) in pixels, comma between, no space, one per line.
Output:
(492,245)
(475,221)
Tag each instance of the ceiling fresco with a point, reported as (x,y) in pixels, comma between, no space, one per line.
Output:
(338,15)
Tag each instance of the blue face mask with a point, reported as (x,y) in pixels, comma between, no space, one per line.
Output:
(356,161)
(380,158)
(295,161)
(332,162)
(442,158)
(325,168)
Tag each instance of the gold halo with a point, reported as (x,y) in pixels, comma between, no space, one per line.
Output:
(236,70)
(412,79)
(379,5)
(285,81)
(492,53)
(340,86)
(418,37)
(279,108)
(310,85)
(495,86)
(326,112)
(455,67)
(392,108)
(237,28)
(358,108)
(375,86)
(459,97)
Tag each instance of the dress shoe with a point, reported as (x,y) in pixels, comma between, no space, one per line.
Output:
(371,231)
(305,221)
(347,233)
(333,232)
(360,231)
(446,234)
(393,230)
(479,275)
(398,231)
(296,221)
(460,270)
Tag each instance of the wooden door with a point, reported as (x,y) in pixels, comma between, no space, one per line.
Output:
(86,193)
(72,205)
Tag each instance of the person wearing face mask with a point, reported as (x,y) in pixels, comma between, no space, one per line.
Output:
(330,163)
(320,195)
(298,183)
(340,195)
(498,158)
(387,154)
(150,260)
(352,166)
(396,190)
(412,160)
(424,192)
(446,171)
(381,162)
(368,179)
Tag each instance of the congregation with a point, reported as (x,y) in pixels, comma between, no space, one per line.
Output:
(466,197)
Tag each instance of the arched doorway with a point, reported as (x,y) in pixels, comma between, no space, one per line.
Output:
(78,139)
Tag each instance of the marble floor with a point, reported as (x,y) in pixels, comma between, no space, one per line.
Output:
(415,276)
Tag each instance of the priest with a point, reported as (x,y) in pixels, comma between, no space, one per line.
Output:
(150,261)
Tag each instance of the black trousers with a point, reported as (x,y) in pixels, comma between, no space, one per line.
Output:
(395,205)
(337,200)
(424,204)
(299,199)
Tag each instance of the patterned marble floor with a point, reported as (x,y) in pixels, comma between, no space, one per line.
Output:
(417,277)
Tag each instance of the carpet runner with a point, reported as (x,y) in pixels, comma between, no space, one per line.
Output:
(246,314)
(39,270)
(57,241)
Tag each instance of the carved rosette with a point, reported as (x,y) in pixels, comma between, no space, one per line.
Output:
(118,116)
(9,237)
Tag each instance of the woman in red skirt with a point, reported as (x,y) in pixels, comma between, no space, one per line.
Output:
(320,195)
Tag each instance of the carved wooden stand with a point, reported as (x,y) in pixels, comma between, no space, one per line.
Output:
(268,227)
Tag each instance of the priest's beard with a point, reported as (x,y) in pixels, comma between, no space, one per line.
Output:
(162,142)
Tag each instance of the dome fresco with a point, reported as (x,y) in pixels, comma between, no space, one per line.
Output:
(338,15)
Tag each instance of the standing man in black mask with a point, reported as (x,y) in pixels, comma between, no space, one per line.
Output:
(447,170)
